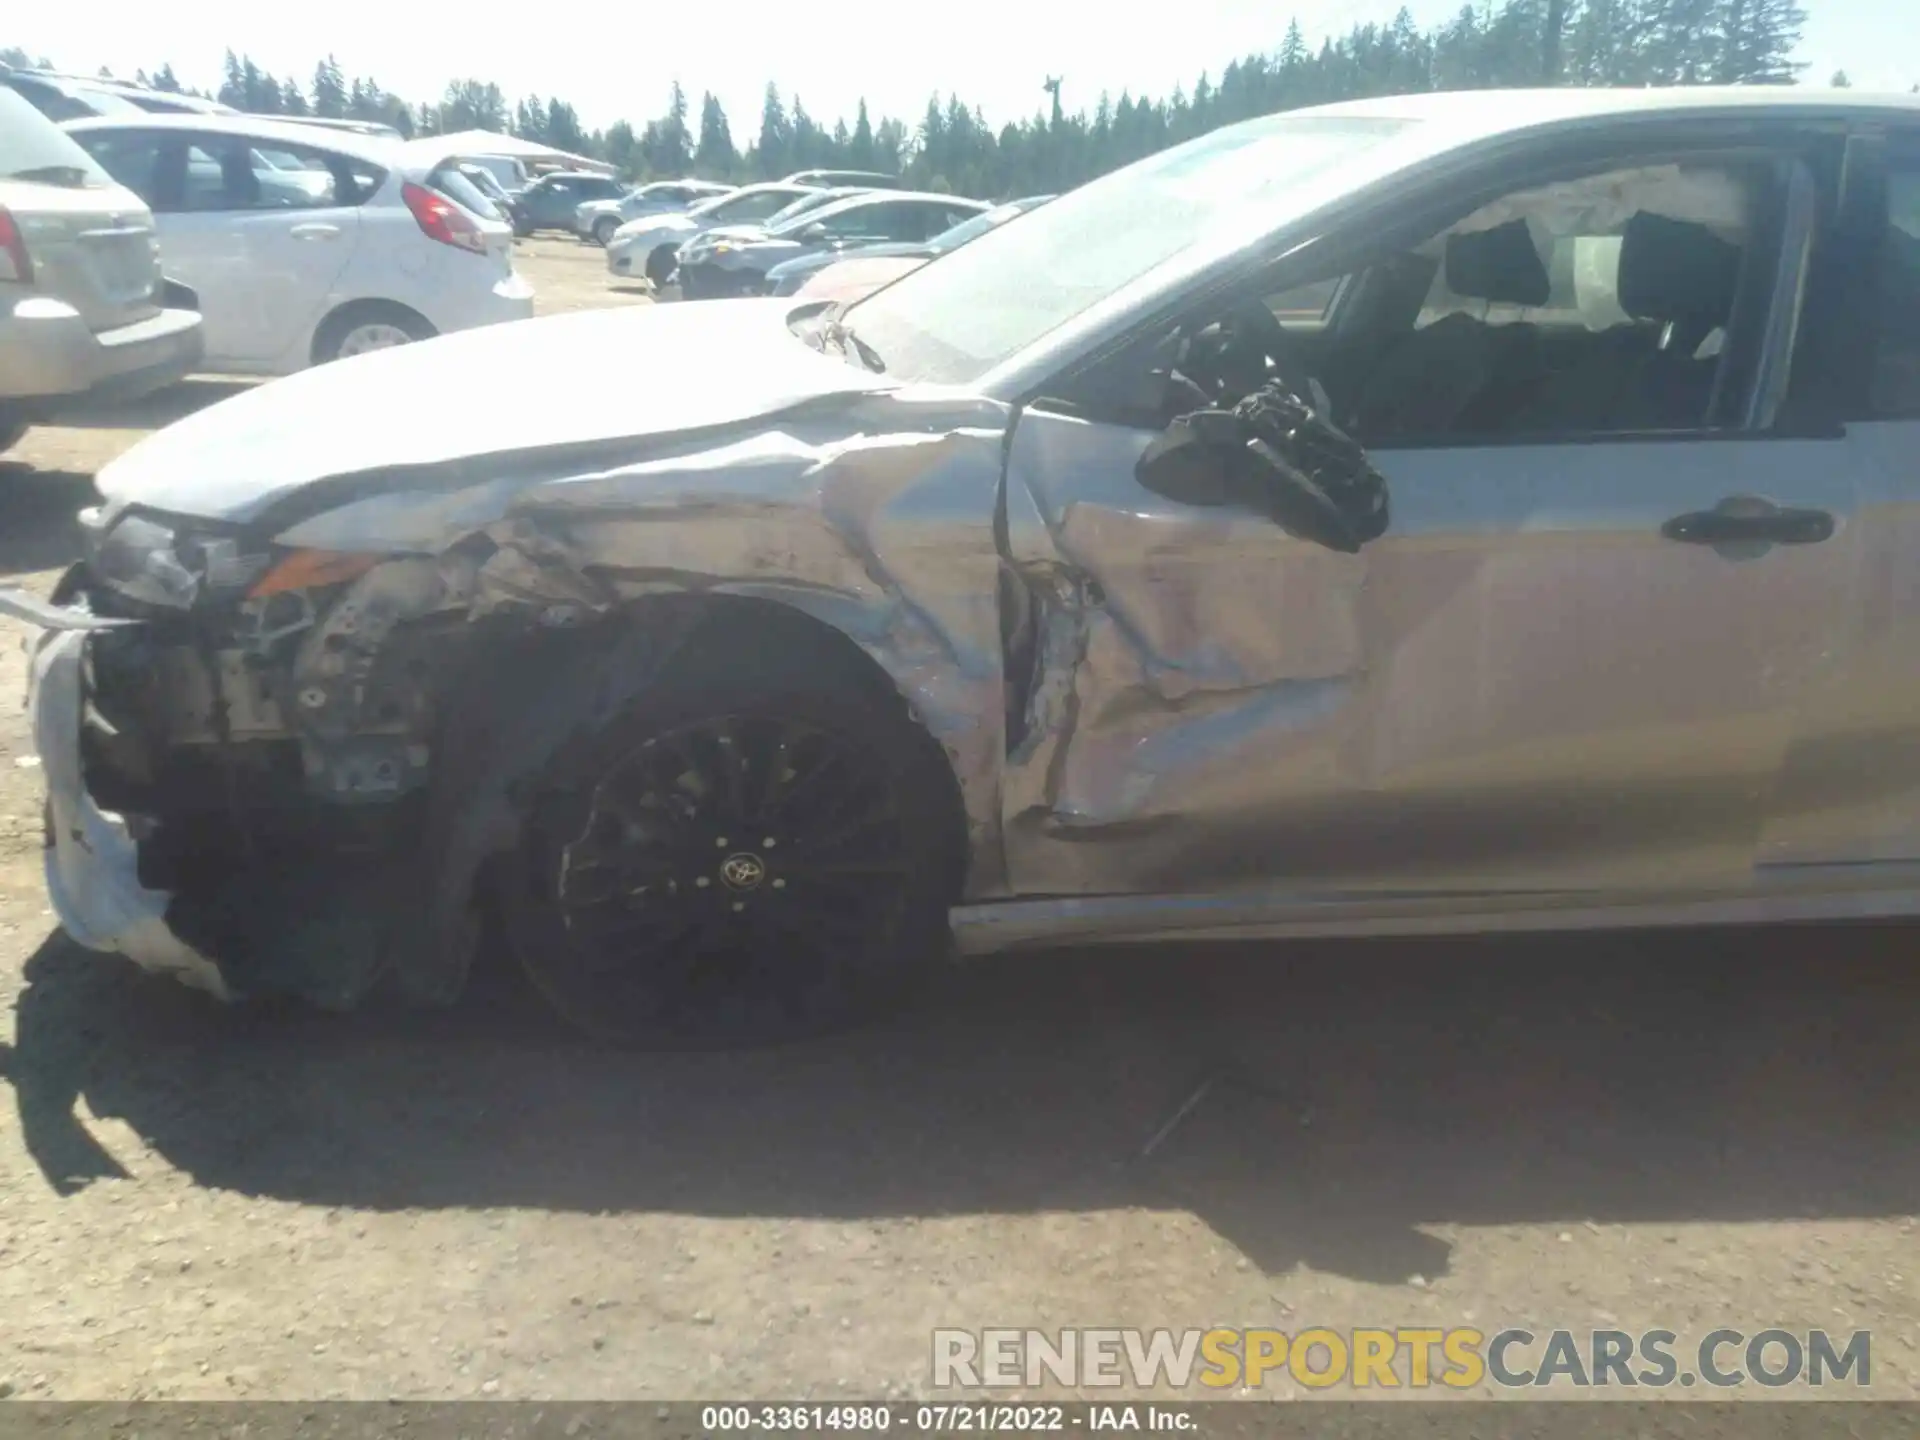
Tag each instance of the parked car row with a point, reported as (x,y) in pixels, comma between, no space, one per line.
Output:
(769,238)
(308,245)
(650,246)
(736,260)
(141,245)
(85,311)
(848,273)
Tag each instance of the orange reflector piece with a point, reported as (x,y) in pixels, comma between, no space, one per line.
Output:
(309,569)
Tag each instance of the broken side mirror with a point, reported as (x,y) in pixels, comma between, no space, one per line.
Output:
(1274,454)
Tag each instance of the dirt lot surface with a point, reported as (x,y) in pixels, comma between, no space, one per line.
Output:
(1678,1131)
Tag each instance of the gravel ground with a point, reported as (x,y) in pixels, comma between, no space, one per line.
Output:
(1678,1131)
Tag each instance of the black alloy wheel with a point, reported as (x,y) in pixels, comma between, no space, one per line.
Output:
(738,859)
(735,865)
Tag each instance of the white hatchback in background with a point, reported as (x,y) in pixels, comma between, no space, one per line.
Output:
(308,245)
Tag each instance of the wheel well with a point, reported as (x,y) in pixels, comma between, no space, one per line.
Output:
(354,312)
(496,731)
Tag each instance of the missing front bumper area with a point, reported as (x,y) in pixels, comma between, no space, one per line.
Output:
(192,830)
(92,859)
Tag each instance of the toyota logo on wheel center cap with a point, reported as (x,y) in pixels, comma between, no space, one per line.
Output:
(743,871)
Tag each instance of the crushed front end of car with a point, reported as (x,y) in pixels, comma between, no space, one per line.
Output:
(235,737)
(308,705)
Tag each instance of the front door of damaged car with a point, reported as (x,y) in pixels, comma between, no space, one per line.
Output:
(1540,677)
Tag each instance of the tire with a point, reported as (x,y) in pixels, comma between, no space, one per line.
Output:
(603,229)
(676,888)
(368,325)
(661,264)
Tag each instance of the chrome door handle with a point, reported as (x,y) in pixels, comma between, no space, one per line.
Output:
(315,231)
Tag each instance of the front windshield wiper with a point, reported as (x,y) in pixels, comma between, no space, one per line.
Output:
(837,332)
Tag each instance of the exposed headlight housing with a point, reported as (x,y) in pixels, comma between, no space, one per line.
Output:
(166,561)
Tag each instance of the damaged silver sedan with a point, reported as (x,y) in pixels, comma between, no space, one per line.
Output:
(730,659)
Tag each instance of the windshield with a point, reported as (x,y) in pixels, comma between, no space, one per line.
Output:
(33,148)
(952,322)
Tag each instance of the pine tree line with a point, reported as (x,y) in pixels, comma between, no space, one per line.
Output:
(953,147)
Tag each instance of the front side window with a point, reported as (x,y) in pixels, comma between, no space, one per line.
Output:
(1601,304)
(1596,304)
(748,209)
(896,222)
(234,173)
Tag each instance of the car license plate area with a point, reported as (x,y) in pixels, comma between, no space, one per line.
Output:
(121,264)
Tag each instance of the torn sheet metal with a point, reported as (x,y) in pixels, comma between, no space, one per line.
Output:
(1521,687)
(91,866)
(882,534)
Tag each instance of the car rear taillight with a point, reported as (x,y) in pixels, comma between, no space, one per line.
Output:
(440,219)
(14,264)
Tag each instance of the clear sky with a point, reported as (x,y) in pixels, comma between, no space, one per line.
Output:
(619,63)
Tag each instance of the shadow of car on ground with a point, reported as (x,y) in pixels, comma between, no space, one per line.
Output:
(1359,1091)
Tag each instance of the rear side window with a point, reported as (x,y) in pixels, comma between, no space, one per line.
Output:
(1895,392)
(749,209)
(905,221)
(33,148)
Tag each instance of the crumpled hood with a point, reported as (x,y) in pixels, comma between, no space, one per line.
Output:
(596,375)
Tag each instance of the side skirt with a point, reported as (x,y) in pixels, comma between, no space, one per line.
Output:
(1781,894)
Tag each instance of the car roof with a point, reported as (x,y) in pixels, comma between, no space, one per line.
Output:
(846,174)
(889,197)
(375,148)
(1488,113)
